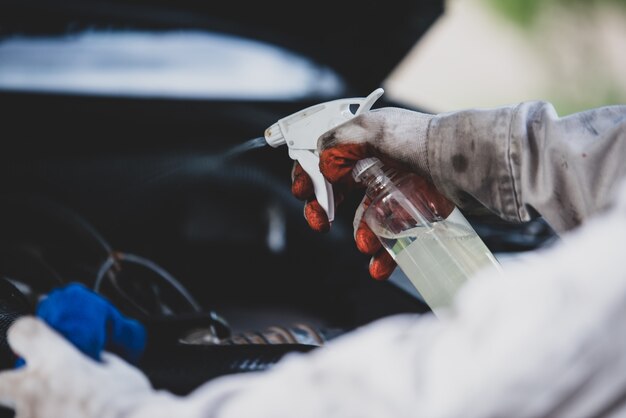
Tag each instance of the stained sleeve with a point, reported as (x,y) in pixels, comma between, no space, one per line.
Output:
(524,161)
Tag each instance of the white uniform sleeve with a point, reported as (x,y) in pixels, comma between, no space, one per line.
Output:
(523,160)
(546,340)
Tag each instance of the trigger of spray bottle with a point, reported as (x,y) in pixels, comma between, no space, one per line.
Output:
(301,130)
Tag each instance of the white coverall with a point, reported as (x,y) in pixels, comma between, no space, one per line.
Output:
(546,340)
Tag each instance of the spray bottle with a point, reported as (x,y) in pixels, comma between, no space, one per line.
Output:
(436,247)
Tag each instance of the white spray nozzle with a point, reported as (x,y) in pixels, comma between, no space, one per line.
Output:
(301,130)
(274,136)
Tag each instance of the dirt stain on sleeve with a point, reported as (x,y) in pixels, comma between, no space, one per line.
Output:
(459,163)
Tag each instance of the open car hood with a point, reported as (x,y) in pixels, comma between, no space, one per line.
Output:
(361,40)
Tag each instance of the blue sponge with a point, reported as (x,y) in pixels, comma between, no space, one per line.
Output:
(92,323)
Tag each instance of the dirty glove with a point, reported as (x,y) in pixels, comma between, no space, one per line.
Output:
(60,382)
(91,323)
(398,138)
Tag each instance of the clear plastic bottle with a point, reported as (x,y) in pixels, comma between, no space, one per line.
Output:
(428,237)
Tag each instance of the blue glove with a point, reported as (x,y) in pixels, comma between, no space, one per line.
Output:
(91,323)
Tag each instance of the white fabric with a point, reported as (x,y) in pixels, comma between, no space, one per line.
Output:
(548,340)
(58,381)
(517,161)
(524,160)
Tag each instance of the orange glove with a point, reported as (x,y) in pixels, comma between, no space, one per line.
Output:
(395,136)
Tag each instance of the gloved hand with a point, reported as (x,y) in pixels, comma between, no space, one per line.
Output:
(398,138)
(59,382)
(92,323)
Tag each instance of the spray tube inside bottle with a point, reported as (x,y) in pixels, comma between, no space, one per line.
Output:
(428,237)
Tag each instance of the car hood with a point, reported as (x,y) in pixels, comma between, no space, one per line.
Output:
(361,40)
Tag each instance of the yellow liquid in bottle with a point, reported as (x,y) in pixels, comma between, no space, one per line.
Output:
(438,260)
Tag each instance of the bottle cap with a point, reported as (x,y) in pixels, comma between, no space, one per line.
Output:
(362,166)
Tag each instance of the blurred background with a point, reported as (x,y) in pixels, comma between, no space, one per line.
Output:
(483,53)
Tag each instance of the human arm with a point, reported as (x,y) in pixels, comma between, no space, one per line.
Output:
(523,161)
(518,162)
